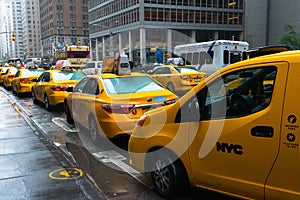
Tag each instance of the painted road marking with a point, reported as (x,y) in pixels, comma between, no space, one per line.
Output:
(116,158)
(65,174)
(61,122)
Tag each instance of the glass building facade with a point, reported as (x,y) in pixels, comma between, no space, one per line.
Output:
(139,26)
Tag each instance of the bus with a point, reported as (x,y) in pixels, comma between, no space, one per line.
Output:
(78,56)
(213,55)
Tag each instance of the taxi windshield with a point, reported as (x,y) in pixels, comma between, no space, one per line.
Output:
(133,84)
(65,76)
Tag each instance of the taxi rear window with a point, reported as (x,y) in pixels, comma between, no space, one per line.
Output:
(65,76)
(32,72)
(133,84)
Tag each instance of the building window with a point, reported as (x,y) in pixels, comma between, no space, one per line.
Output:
(73,8)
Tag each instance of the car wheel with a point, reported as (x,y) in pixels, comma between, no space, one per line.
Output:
(33,97)
(171,87)
(17,92)
(14,90)
(46,103)
(93,129)
(70,120)
(168,176)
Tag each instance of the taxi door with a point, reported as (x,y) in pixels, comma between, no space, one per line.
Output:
(235,144)
(85,101)
(41,84)
(284,179)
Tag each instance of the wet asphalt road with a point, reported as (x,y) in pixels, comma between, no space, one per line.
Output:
(105,166)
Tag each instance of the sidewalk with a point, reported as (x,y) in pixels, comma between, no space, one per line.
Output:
(31,167)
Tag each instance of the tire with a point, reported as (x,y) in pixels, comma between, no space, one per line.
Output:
(171,87)
(169,180)
(17,93)
(46,103)
(93,129)
(70,120)
(33,97)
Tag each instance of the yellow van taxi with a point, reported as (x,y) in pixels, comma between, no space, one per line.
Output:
(22,81)
(108,104)
(178,79)
(240,138)
(49,88)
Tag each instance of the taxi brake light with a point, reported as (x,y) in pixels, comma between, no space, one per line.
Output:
(24,80)
(59,88)
(118,108)
(140,122)
(171,101)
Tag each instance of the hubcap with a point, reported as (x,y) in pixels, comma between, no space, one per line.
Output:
(161,176)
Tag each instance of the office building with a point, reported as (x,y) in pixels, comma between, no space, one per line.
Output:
(139,26)
(63,23)
(31,28)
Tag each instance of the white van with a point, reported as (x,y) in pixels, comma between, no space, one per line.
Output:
(93,67)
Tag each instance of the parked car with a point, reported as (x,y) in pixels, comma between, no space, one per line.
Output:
(236,133)
(109,105)
(22,81)
(92,67)
(3,71)
(178,79)
(51,85)
(16,62)
(8,76)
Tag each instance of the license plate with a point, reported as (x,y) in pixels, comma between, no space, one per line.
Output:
(159,98)
(197,79)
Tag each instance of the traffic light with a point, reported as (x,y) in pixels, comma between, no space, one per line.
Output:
(13,37)
(78,41)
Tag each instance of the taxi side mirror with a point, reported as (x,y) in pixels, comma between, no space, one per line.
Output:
(69,89)
(34,80)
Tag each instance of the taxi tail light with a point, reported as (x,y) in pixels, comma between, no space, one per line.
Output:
(185,77)
(171,101)
(140,122)
(118,108)
(24,80)
(59,88)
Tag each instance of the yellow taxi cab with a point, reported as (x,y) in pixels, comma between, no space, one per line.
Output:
(22,81)
(8,76)
(109,104)
(50,86)
(3,72)
(239,138)
(178,79)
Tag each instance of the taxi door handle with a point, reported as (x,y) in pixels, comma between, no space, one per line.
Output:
(262,131)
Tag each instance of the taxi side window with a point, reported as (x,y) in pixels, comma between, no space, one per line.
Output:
(81,85)
(92,87)
(40,79)
(163,70)
(233,95)
(239,93)
(17,74)
(46,77)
